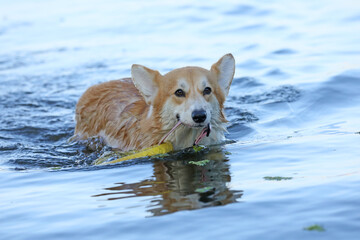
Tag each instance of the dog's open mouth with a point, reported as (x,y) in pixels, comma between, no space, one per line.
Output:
(204,133)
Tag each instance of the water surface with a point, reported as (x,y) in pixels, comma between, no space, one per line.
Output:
(292,156)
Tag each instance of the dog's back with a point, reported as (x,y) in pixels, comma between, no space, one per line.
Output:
(113,110)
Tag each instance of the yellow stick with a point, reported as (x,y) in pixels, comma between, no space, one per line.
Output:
(151,151)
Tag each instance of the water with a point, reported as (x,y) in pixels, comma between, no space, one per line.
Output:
(292,159)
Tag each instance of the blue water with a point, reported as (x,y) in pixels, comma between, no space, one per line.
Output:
(292,159)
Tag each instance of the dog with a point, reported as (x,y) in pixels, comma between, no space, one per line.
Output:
(183,107)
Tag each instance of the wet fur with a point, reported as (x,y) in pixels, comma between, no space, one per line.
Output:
(135,113)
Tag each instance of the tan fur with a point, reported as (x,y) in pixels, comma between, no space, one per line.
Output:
(130,116)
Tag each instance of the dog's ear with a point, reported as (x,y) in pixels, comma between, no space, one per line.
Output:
(224,69)
(146,81)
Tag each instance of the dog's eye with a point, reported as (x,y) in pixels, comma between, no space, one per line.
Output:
(179,93)
(207,91)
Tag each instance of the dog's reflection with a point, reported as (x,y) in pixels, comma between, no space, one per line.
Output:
(181,185)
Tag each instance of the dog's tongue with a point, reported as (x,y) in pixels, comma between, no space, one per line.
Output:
(205,132)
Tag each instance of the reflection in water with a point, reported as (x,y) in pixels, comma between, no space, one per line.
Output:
(179,185)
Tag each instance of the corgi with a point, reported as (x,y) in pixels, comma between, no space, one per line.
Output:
(183,107)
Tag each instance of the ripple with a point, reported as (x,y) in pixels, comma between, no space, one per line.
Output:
(13,62)
(240,115)
(341,91)
(236,131)
(9,146)
(276,73)
(281,94)
(246,82)
(251,47)
(96,65)
(284,51)
(30,131)
(251,27)
(251,64)
(354,18)
(241,9)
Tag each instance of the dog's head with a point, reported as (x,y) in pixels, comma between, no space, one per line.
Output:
(192,95)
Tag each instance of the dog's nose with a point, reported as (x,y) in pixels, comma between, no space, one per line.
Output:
(198,116)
